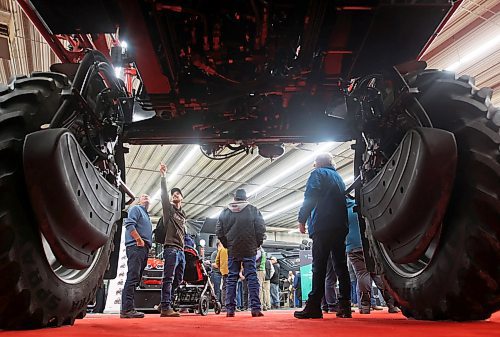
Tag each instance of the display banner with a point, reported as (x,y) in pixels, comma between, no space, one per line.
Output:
(114,298)
(305,272)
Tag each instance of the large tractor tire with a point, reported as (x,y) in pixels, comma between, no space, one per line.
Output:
(460,279)
(35,290)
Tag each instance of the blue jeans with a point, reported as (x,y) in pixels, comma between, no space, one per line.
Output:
(354,292)
(298,298)
(239,294)
(137,258)
(275,295)
(250,273)
(216,279)
(224,291)
(330,298)
(173,271)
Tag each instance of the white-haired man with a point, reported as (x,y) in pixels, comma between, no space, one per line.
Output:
(324,209)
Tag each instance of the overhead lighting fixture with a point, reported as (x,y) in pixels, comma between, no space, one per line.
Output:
(178,168)
(156,196)
(282,210)
(322,148)
(475,53)
(186,159)
(216,214)
(307,159)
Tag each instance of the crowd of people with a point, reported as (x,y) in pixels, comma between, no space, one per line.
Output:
(243,275)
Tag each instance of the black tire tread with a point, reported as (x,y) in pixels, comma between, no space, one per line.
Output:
(25,104)
(471,233)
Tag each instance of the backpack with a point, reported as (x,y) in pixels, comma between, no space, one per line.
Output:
(160,232)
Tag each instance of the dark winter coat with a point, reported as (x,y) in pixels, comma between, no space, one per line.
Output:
(241,229)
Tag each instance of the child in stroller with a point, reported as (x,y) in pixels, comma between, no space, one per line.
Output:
(196,291)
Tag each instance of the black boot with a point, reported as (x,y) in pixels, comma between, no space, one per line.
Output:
(308,312)
(389,300)
(364,305)
(344,310)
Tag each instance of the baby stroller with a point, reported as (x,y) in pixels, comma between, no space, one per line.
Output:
(197,291)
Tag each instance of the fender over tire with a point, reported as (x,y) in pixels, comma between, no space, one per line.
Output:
(462,279)
(32,295)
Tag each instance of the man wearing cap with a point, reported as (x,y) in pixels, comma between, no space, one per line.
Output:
(173,249)
(241,229)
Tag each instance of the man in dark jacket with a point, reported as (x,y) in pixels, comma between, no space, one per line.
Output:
(275,284)
(173,249)
(325,211)
(241,230)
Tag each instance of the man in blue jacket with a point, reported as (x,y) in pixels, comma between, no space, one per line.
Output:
(138,238)
(354,249)
(325,211)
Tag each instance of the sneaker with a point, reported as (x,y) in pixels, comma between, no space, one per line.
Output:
(377,307)
(131,314)
(257,313)
(393,309)
(169,313)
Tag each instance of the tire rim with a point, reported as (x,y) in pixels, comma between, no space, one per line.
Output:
(413,269)
(68,275)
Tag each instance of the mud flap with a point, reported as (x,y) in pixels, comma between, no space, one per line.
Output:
(75,206)
(405,203)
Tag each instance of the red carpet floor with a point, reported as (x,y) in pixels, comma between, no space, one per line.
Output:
(275,323)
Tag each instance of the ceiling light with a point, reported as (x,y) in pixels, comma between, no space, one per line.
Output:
(282,210)
(308,159)
(216,214)
(184,161)
(475,53)
(156,196)
(178,168)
